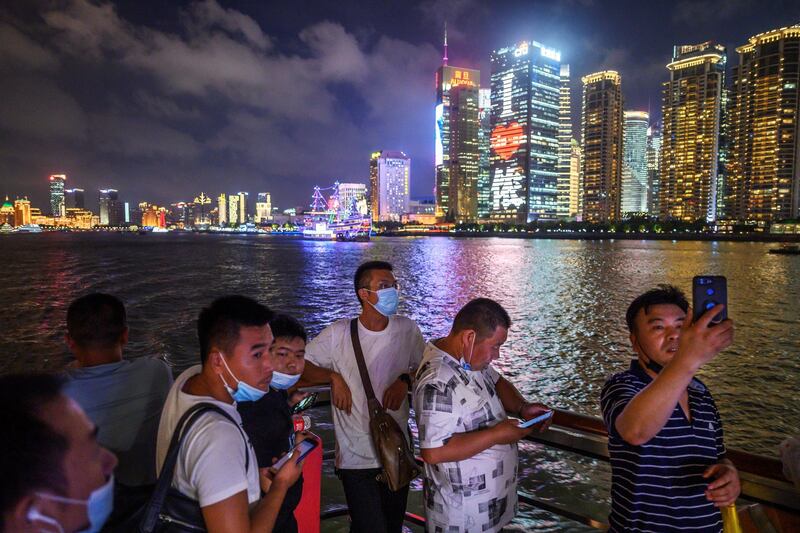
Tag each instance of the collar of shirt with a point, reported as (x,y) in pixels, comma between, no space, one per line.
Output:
(637,370)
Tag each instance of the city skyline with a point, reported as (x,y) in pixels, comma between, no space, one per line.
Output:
(173,124)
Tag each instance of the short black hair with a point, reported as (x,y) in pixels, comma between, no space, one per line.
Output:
(96,320)
(662,294)
(360,280)
(287,327)
(31,451)
(219,323)
(482,315)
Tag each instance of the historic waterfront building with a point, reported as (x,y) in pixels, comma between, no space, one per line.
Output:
(601,134)
(526,93)
(763,181)
(692,113)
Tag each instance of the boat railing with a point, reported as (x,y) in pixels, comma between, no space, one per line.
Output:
(761,477)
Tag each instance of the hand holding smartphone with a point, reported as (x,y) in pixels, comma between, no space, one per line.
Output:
(536,420)
(708,291)
(305,447)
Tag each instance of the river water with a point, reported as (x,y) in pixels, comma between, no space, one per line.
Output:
(567,299)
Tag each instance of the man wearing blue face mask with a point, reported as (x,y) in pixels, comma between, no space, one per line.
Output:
(392,347)
(216,464)
(466,439)
(55,475)
(268,421)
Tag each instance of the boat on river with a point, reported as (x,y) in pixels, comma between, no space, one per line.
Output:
(328,220)
(786,249)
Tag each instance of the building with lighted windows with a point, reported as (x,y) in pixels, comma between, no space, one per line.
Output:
(390,185)
(575,181)
(601,134)
(111,209)
(74,199)
(484,153)
(234,210)
(763,181)
(653,160)
(526,106)
(692,114)
(564,145)
(222,210)
(634,163)
(7,213)
(57,206)
(352,198)
(456,149)
(22,212)
(263,208)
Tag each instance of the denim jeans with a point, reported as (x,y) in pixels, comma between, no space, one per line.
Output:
(373,507)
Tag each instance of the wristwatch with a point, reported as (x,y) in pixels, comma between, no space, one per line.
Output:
(407,379)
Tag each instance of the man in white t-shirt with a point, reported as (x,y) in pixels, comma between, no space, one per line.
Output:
(467,441)
(216,464)
(392,347)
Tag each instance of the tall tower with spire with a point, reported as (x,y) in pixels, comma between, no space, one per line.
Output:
(457,144)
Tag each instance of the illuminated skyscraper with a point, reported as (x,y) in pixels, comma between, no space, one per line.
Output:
(634,162)
(575,181)
(201,210)
(222,209)
(692,115)
(456,149)
(264,208)
(243,197)
(653,161)
(484,153)
(57,207)
(601,133)
(526,98)
(233,210)
(564,145)
(390,182)
(111,213)
(764,167)
(74,199)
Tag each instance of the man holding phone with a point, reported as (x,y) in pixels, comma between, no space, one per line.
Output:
(468,443)
(665,440)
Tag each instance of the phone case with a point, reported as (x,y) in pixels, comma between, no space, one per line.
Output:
(708,291)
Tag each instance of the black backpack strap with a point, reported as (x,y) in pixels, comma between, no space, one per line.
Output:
(150,518)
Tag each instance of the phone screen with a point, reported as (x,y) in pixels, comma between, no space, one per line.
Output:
(305,448)
(305,403)
(534,421)
(708,291)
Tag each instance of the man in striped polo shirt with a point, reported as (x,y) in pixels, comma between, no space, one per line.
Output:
(668,466)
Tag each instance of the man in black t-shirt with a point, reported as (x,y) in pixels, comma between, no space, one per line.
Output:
(268,421)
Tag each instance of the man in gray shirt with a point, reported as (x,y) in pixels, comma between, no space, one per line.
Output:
(122,397)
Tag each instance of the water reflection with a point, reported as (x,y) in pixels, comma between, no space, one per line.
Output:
(567,300)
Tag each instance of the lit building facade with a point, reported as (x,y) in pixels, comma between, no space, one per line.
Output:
(111,212)
(353,198)
(653,162)
(575,181)
(234,210)
(601,134)
(7,213)
(263,208)
(22,212)
(222,210)
(526,98)
(484,153)
(243,197)
(202,209)
(564,145)
(390,184)
(74,199)
(456,149)
(634,163)
(764,167)
(57,205)
(692,116)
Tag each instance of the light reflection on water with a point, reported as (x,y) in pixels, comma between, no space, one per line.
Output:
(567,300)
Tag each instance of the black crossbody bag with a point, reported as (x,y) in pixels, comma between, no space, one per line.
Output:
(169,511)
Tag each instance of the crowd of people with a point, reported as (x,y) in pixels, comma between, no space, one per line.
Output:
(116,445)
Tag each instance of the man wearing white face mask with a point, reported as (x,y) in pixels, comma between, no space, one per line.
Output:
(216,464)
(55,476)
(468,443)
(268,421)
(392,347)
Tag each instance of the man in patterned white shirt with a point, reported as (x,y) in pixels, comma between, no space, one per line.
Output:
(468,443)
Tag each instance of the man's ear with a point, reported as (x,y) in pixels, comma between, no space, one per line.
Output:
(635,343)
(21,515)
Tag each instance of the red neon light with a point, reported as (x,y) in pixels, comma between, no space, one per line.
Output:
(507,139)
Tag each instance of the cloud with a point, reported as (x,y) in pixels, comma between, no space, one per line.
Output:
(140,137)
(19,52)
(203,16)
(37,108)
(698,12)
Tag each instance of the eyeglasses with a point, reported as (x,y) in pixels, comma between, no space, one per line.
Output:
(384,285)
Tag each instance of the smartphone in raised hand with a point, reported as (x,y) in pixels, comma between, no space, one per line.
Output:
(305,447)
(708,291)
(536,420)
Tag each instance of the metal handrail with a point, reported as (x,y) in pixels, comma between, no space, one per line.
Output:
(762,477)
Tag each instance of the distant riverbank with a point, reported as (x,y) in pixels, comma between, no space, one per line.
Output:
(599,236)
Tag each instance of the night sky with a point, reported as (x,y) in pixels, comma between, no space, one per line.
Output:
(164,99)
